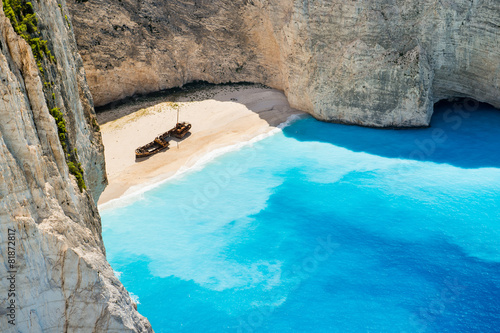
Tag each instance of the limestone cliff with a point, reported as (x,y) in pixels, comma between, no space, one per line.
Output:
(48,227)
(369,62)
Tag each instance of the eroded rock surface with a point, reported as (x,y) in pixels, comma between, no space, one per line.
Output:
(63,281)
(369,62)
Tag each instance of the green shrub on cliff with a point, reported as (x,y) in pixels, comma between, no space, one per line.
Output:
(75,168)
(61,127)
(77,171)
(23,18)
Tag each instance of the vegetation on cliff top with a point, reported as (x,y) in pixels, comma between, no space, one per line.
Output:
(24,20)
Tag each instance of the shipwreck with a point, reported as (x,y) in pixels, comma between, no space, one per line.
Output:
(161,142)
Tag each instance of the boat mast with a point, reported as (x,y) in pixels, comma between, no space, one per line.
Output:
(177,123)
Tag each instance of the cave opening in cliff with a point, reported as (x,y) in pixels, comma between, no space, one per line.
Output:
(458,127)
(458,110)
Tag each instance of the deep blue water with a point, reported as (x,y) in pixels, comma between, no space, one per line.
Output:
(324,228)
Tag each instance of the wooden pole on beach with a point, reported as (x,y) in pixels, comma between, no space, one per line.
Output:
(176,124)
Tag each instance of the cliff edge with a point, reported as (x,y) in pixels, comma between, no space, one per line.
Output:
(378,63)
(54,276)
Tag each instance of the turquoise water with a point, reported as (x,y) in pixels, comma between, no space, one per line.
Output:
(324,228)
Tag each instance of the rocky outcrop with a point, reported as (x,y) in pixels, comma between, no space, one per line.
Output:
(376,63)
(52,259)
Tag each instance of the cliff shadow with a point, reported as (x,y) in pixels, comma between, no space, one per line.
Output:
(463,133)
(193,92)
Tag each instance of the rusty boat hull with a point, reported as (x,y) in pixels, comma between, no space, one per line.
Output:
(180,130)
(162,141)
(152,148)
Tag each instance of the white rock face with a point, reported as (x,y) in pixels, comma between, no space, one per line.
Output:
(377,63)
(63,282)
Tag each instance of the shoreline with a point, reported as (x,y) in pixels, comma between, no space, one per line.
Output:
(224,119)
(133,192)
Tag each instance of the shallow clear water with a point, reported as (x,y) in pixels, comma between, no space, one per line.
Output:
(324,228)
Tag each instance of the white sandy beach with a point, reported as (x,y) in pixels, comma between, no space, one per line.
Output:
(220,117)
